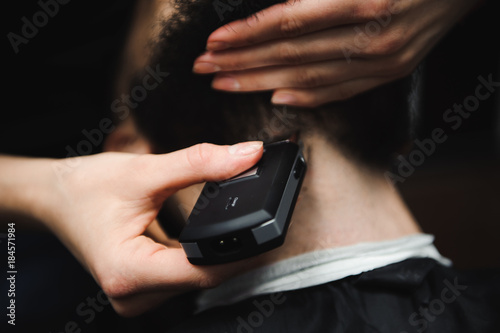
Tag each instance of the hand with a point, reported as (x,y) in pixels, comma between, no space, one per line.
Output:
(104,204)
(312,52)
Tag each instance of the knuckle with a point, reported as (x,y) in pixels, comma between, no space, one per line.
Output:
(289,54)
(402,65)
(308,78)
(234,64)
(249,39)
(115,285)
(290,26)
(199,156)
(374,8)
(114,277)
(208,282)
(123,308)
(392,42)
(141,163)
(397,6)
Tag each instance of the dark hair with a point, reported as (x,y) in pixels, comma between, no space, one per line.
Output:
(185,110)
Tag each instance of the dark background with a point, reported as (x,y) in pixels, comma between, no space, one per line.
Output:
(60,83)
(56,86)
(455,194)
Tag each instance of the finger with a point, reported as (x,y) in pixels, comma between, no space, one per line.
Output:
(138,304)
(398,61)
(314,97)
(147,274)
(156,233)
(324,45)
(302,76)
(348,42)
(150,273)
(145,266)
(197,164)
(389,69)
(290,19)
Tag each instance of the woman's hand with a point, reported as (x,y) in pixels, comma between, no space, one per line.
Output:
(312,52)
(100,207)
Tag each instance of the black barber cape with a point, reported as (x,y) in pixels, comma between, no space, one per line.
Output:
(416,295)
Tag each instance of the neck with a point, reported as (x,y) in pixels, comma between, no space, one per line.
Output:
(341,204)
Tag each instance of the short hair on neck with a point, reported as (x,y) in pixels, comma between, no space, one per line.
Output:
(183,110)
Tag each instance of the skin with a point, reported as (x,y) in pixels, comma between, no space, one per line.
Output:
(364,206)
(312,52)
(103,207)
(341,204)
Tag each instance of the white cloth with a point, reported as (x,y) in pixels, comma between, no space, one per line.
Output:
(319,267)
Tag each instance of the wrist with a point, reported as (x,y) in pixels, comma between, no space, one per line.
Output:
(27,187)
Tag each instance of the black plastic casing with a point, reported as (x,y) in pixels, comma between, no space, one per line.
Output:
(246,215)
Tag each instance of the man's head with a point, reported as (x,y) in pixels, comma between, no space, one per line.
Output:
(184,110)
(345,198)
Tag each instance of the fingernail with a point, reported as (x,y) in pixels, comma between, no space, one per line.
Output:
(217,46)
(245,148)
(283,98)
(205,68)
(226,83)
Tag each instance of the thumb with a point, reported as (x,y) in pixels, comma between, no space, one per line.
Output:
(201,163)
